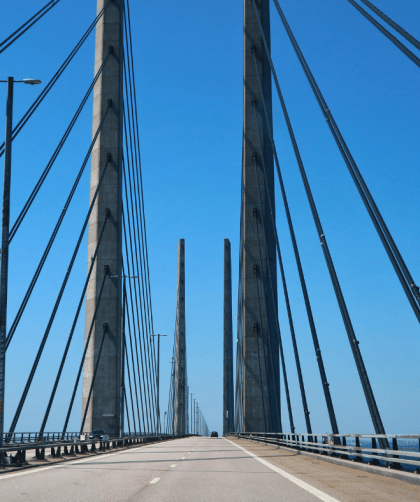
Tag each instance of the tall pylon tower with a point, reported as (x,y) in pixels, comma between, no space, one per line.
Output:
(180,382)
(261,375)
(104,405)
(228,397)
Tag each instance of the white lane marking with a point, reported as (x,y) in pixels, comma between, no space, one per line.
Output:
(173,465)
(154,481)
(182,458)
(314,491)
(35,470)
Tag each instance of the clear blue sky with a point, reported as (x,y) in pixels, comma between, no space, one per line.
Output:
(188,62)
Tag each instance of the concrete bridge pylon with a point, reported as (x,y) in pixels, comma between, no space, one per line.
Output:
(104,406)
(261,374)
(180,382)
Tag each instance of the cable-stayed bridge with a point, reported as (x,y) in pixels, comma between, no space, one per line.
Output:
(112,378)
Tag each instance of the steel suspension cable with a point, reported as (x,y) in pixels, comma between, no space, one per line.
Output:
(141,304)
(44,174)
(55,231)
(410,288)
(55,308)
(385,32)
(87,341)
(137,394)
(139,174)
(136,338)
(393,24)
(134,215)
(136,303)
(324,381)
(73,327)
(54,79)
(34,19)
(354,344)
(134,142)
(105,331)
(129,381)
(286,294)
(128,418)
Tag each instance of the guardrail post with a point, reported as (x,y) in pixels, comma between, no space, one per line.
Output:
(316,450)
(374,461)
(344,456)
(394,465)
(357,459)
(40,454)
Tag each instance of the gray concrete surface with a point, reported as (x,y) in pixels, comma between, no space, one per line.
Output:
(201,469)
(261,352)
(103,410)
(180,384)
(228,395)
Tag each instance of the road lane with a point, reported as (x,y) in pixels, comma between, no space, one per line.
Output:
(200,469)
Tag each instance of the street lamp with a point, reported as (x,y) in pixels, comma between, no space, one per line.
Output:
(157,385)
(192,423)
(5,238)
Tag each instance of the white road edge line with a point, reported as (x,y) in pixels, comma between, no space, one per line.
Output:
(154,481)
(35,470)
(314,491)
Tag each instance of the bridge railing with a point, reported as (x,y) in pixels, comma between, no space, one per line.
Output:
(36,437)
(55,437)
(404,453)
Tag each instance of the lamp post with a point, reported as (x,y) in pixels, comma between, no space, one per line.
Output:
(122,369)
(157,385)
(192,423)
(5,239)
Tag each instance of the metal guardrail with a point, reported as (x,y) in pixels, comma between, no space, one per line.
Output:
(32,437)
(70,448)
(335,445)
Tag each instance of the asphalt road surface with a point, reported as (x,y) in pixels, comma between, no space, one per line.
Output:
(201,469)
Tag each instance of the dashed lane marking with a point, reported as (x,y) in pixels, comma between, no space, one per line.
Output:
(154,481)
(173,465)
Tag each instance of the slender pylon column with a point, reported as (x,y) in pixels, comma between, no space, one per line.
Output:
(259,308)
(228,410)
(180,347)
(104,407)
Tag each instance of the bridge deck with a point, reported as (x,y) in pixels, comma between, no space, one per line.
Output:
(201,469)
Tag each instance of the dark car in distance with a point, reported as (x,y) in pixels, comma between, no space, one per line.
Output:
(214,434)
(98,434)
